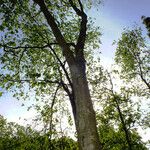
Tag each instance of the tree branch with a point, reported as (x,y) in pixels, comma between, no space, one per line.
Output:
(26,47)
(71,97)
(139,62)
(83,28)
(57,33)
(51,115)
(62,66)
(116,98)
(81,6)
(70,94)
(29,80)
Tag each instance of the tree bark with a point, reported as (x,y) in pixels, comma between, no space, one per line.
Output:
(85,118)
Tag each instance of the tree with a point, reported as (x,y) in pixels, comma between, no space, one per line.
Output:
(146,21)
(40,37)
(132,54)
(14,136)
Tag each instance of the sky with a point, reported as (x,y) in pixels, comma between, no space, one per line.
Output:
(112,16)
(115,15)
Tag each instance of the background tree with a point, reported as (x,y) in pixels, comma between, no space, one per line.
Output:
(14,136)
(146,21)
(119,113)
(132,54)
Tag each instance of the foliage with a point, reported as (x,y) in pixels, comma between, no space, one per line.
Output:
(132,54)
(25,55)
(118,124)
(146,21)
(114,139)
(119,114)
(32,63)
(34,58)
(16,137)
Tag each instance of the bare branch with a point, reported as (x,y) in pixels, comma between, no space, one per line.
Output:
(33,47)
(51,115)
(25,47)
(29,80)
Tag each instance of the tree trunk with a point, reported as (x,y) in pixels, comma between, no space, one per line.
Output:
(84,115)
(85,119)
(127,134)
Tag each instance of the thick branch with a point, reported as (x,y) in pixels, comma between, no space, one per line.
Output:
(83,28)
(70,93)
(78,11)
(81,6)
(71,97)
(57,33)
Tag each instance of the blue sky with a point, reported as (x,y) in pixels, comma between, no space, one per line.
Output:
(113,16)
